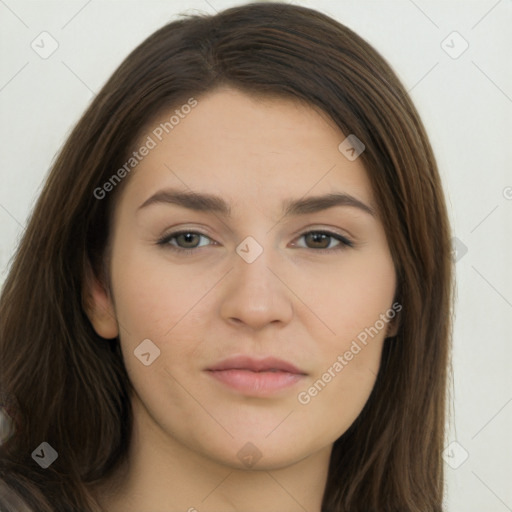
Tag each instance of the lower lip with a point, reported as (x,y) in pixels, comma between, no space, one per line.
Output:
(256,383)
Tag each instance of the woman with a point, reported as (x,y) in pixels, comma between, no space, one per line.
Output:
(295,355)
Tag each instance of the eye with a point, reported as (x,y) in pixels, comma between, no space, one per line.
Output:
(187,242)
(188,238)
(321,240)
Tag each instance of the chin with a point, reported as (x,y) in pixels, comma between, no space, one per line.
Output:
(261,452)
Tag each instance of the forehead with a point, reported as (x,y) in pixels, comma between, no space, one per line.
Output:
(253,148)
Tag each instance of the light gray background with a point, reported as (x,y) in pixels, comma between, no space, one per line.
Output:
(466,105)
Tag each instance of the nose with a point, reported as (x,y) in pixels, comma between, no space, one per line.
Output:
(255,294)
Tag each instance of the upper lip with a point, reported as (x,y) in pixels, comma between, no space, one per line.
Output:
(255,365)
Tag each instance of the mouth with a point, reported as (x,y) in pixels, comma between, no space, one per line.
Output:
(254,377)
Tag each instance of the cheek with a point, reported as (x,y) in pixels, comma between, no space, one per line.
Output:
(349,296)
(335,399)
(357,309)
(153,294)
(163,303)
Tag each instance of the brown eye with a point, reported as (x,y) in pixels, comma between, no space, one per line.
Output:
(318,240)
(322,240)
(182,241)
(187,242)
(190,240)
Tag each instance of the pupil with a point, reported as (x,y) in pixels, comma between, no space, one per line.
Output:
(317,237)
(187,237)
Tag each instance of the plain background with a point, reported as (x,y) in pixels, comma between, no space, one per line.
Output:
(465,102)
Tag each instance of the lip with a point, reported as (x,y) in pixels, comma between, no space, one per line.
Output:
(256,365)
(256,377)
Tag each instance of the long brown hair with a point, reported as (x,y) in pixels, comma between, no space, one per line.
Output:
(70,386)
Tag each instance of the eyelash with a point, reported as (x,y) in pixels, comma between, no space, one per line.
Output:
(164,241)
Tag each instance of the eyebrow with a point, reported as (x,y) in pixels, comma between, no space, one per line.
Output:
(211,203)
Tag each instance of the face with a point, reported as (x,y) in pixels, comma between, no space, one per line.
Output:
(251,321)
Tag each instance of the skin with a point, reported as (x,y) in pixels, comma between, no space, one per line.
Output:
(297,301)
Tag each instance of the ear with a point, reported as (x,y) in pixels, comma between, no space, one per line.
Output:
(393,326)
(98,306)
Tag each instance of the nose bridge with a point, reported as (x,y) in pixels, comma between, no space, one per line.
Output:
(252,267)
(255,295)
